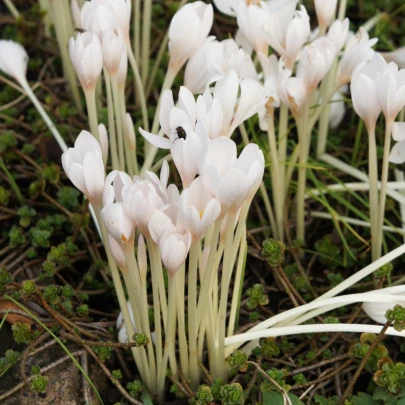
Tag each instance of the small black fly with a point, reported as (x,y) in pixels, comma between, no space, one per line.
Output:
(181,133)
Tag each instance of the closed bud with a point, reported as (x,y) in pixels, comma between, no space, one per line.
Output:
(87,59)
(13,59)
(188,29)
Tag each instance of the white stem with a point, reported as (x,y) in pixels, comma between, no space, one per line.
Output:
(295,330)
(400,177)
(393,185)
(346,168)
(354,221)
(58,137)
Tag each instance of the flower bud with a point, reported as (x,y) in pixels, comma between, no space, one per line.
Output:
(87,59)
(102,130)
(325,12)
(13,59)
(117,253)
(113,47)
(188,29)
(130,131)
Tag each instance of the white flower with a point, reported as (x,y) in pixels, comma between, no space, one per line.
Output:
(397,154)
(228,179)
(84,166)
(213,60)
(252,19)
(117,253)
(270,67)
(287,30)
(87,58)
(325,11)
(397,56)
(173,244)
(337,33)
(197,209)
(391,90)
(185,137)
(358,50)
(168,193)
(99,15)
(13,59)
(364,90)
(337,110)
(236,111)
(113,49)
(377,310)
(96,17)
(315,62)
(197,73)
(292,91)
(102,130)
(188,29)
(113,186)
(118,223)
(140,201)
(130,132)
(227,7)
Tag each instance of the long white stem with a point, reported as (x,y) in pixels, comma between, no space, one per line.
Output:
(354,221)
(58,137)
(383,192)
(317,328)
(139,87)
(400,177)
(146,27)
(346,168)
(192,315)
(394,185)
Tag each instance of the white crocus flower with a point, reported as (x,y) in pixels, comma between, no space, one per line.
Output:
(96,17)
(185,137)
(271,70)
(113,47)
(292,91)
(397,154)
(287,30)
(397,56)
(197,209)
(84,166)
(213,60)
(377,310)
(364,90)
(391,90)
(210,112)
(227,7)
(337,34)
(358,50)
(99,15)
(117,253)
(168,193)
(140,201)
(228,179)
(113,186)
(325,12)
(13,59)
(87,58)
(252,19)
(118,223)
(188,29)
(173,244)
(315,62)
(237,110)
(337,109)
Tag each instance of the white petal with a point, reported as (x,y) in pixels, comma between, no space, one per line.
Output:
(158,141)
